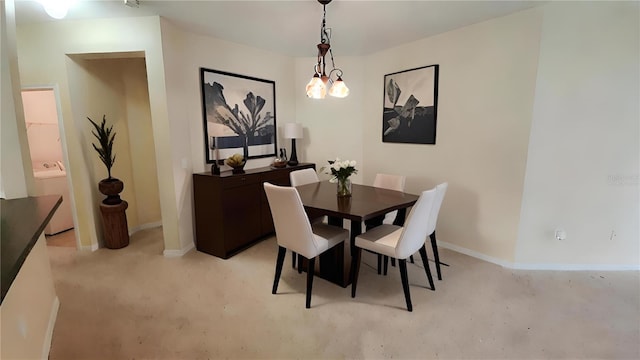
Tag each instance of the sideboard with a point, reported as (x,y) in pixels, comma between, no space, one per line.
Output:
(232,211)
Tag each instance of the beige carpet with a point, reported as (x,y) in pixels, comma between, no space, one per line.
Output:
(133,303)
(64,239)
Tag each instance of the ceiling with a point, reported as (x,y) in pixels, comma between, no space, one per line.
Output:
(359,27)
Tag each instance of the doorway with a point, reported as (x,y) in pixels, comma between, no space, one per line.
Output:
(114,87)
(48,161)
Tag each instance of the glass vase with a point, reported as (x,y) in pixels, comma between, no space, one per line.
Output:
(344,187)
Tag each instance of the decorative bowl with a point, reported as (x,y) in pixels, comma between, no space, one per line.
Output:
(279,163)
(237,169)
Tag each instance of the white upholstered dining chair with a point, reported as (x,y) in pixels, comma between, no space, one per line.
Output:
(399,242)
(303,177)
(441,189)
(391,182)
(296,233)
(299,178)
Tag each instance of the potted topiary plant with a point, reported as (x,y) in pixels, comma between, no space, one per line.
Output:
(114,218)
(110,186)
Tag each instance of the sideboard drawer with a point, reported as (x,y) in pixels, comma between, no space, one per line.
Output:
(239,180)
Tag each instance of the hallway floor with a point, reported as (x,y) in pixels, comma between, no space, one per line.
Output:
(64,239)
(135,303)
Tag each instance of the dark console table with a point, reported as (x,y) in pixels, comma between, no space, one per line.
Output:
(232,211)
(23,221)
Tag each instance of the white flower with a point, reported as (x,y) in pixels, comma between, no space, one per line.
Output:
(335,165)
(352,163)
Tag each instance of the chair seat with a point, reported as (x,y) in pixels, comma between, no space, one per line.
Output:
(389,218)
(327,236)
(381,239)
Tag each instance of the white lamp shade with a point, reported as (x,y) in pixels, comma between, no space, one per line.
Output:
(316,89)
(339,89)
(292,131)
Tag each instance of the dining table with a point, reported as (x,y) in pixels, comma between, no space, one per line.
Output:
(366,204)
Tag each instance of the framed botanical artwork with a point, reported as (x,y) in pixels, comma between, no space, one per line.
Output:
(411,106)
(239,115)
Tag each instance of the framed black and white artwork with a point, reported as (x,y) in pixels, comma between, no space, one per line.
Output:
(410,107)
(239,115)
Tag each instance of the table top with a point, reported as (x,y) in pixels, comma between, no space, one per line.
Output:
(365,202)
(23,220)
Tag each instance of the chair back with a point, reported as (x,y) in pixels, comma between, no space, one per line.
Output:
(415,229)
(391,182)
(433,217)
(293,230)
(303,177)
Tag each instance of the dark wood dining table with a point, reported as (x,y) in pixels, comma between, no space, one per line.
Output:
(366,204)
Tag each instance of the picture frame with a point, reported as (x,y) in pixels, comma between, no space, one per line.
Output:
(239,115)
(410,106)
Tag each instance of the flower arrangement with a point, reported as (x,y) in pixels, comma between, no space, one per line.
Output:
(341,170)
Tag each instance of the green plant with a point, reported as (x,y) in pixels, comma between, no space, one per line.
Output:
(105,137)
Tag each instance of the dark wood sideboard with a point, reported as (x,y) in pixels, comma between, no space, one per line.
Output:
(232,211)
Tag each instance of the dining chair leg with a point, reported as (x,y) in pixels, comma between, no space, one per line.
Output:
(427,268)
(355,270)
(281,253)
(310,271)
(405,282)
(293,259)
(386,264)
(393,262)
(300,264)
(435,254)
(411,259)
(380,264)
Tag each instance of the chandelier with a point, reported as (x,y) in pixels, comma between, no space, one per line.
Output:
(317,87)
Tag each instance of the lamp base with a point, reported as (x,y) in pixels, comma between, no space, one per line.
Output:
(293,161)
(215,169)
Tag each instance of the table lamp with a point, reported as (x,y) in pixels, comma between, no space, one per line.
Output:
(293,131)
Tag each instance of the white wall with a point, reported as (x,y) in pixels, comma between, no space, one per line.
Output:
(41,117)
(29,309)
(117,88)
(486,86)
(332,127)
(184,101)
(582,169)
(141,143)
(13,180)
(46,54)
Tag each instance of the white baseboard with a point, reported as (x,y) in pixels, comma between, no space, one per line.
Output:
(92,247)
(48,336)
(575,267)
(152,225)
(526,266)
(475,254)
(178,253)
